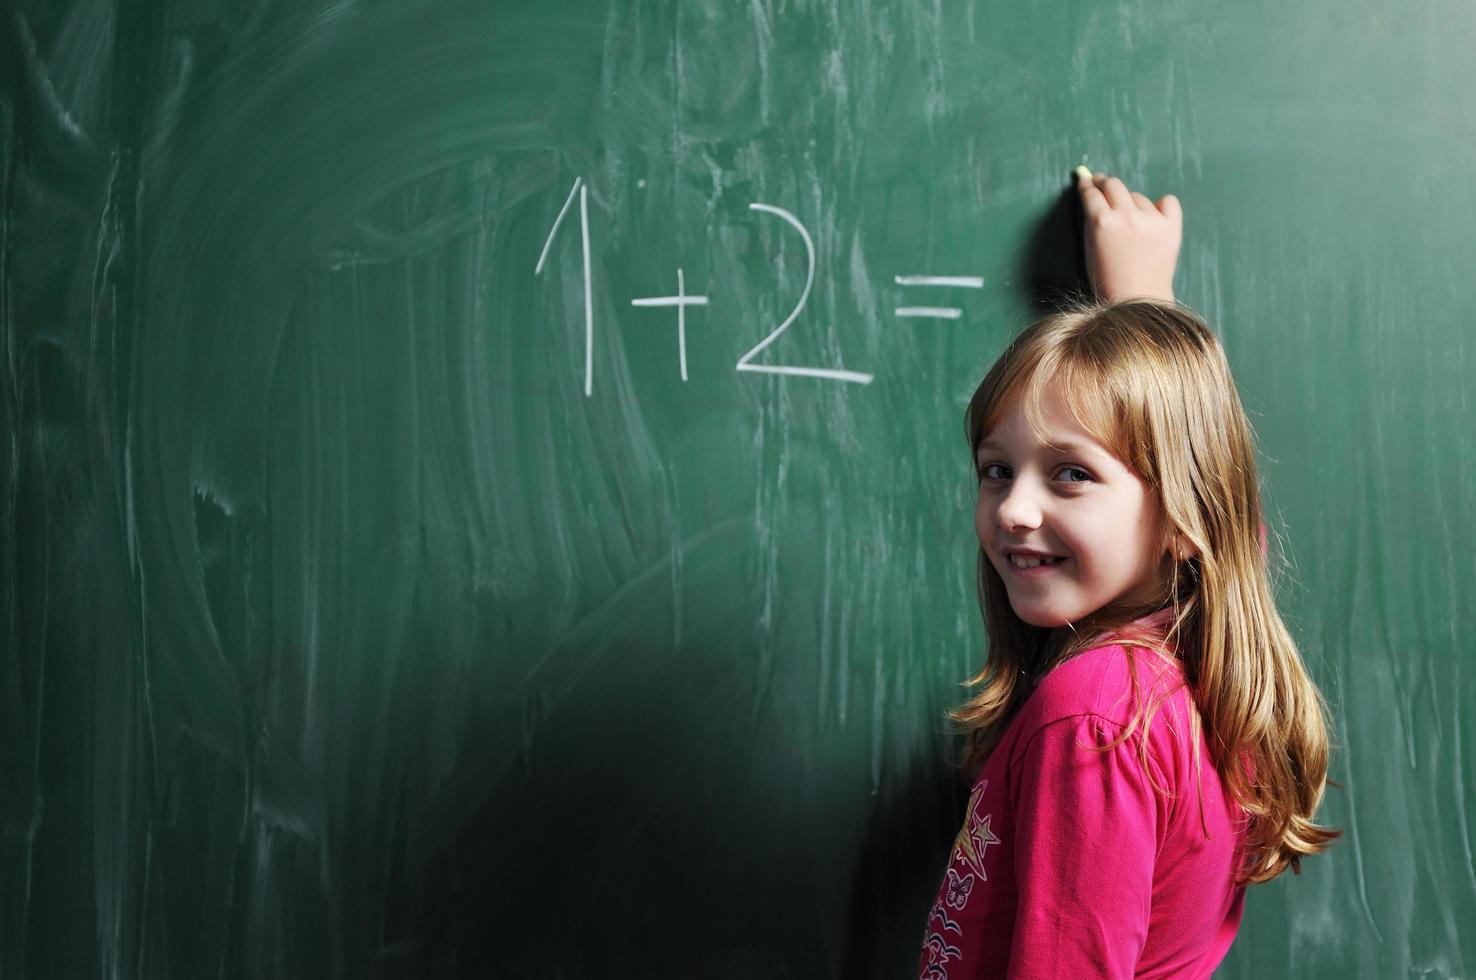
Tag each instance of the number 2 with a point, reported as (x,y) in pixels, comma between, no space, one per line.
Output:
(744,362)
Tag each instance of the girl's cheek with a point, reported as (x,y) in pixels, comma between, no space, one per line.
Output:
(982,518)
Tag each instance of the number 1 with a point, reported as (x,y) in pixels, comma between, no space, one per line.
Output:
(582,190)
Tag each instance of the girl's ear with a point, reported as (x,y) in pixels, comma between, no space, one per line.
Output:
(1183,549)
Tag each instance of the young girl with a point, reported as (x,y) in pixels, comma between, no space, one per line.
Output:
(1145,740)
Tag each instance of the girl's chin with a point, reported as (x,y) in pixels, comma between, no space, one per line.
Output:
(1045,621)
(1044,618)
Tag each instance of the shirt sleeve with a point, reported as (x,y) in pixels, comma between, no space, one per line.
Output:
(1086,836)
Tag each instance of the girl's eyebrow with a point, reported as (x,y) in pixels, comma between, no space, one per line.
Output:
(1064,446)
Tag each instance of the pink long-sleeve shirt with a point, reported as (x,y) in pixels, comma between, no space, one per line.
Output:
(1068,863)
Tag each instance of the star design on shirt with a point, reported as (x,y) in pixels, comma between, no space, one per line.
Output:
(974,837)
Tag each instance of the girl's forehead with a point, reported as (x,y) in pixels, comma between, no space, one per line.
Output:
(1053,420)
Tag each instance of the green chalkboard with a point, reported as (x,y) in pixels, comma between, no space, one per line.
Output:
(484,490)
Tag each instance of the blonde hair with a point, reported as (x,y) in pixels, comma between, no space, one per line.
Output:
(1151,383)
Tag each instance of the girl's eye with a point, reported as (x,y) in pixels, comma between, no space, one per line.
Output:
(986,474)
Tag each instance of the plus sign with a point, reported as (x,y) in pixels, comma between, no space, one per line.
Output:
(681,301)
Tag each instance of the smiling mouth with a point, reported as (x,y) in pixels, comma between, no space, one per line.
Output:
(1027,564)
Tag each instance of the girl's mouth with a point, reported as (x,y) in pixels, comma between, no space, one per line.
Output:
(1039,566)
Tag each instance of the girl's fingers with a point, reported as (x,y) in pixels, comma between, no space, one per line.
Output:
(1115,191)
(1092,200)
(1103,193)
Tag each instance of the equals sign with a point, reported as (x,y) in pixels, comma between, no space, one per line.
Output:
(937,312)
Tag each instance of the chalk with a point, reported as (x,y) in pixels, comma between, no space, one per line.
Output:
(1082,171)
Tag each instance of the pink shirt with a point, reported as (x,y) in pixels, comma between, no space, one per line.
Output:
(1068,863)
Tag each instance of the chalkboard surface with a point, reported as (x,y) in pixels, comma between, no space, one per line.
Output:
(484,491)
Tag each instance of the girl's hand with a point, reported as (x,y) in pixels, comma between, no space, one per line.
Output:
(1132,244)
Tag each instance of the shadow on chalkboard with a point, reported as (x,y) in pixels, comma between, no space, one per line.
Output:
(903,858)
(553,875)
(615,846)
(1052,266)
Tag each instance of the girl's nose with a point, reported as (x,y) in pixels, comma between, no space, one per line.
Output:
(1018,509)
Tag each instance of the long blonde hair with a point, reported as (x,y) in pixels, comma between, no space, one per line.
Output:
(1151,383)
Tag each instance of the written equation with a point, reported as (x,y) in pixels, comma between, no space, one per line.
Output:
(683,299)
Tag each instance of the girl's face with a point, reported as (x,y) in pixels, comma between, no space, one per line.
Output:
(1077,502)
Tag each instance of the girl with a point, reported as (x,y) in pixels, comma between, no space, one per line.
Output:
(1144,740)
